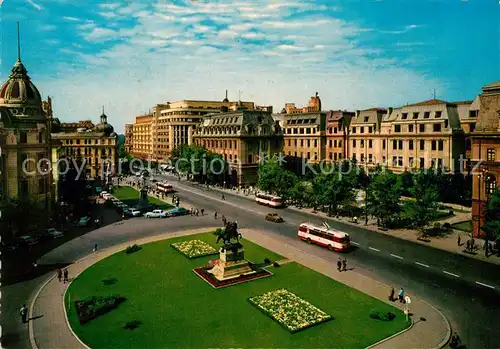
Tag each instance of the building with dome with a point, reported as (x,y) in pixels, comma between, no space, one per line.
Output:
(96,145)
(25,144)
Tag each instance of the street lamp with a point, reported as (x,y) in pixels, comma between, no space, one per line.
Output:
(483,174)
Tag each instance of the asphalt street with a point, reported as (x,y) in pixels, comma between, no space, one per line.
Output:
(452,283)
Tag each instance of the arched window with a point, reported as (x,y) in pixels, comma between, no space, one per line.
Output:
(491,184)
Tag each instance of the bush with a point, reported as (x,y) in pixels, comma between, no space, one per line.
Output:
(276,265)
(93,307)
(384,317)
(133,248)
(267,261)
(131,325)
(218,231)
(446,225)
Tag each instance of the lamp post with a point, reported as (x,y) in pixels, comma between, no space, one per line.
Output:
(483,175)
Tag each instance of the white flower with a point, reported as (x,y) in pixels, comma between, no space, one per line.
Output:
(194,248)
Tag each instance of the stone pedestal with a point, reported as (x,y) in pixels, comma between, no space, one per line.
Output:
(231,263)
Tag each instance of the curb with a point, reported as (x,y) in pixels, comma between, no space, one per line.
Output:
(448,326)
(31,331)
(393,336)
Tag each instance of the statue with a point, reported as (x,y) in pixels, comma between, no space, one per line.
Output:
(229,233)
(143,203)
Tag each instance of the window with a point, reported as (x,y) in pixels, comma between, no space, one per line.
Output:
(397,128)
(491,184)
(354,130)
(446,124)
(422,163)
(410,128)
(472,127)
(340,143)
(394,144)
(383,144)
(250,158)
(308,130)
(440,144)
(330,143)
(433,146)
(400,161)
(437,115)
(334,156)
(427,114)
(394,161)
(410,145)
(400,144)
(361,130)
(415,115)
(370,129)
(23,137)
(315,143)
(472,113)
(410,162)
(421,128)
(362,157)
(422,145)
(308,143)
(440,163)
(490,154)
(40,137)
(436,127)
(404,116)
(370,143)
(354,143)
(330,156)
(335,143)
(366,118)
(362,143)
(383,160)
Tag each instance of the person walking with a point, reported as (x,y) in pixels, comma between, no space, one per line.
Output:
(202,211)
(65,276)
(95,248)
(24,313)
(391,294)
(215,215)
(59,274)
(224,221)
(458,240)
(468,245)
(339,265)
(401,295)
(344,265)
(223,197)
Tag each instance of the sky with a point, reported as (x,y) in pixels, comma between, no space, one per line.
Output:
(130,55)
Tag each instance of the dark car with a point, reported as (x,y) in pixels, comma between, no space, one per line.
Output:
(178,211)
(274,217)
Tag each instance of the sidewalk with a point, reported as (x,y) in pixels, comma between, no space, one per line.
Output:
(52,330)
(446,242)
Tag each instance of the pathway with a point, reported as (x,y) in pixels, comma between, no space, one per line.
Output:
(52,330)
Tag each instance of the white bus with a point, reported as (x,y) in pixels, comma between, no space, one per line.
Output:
(268,200)
(325,236)
(164,187)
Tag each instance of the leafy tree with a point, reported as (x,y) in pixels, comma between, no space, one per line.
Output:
(423,209)
(492,217)
(301,193)
(15,212)
(334,189)
(384,197)
(275,179)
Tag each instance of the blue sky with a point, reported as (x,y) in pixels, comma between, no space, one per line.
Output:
(129,55)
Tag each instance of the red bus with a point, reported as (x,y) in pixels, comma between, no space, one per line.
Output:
(164,187)
(268,200)
(325,236)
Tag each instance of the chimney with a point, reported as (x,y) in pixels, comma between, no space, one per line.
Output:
(358,112)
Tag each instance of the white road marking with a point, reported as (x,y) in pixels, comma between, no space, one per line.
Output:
(423,265)
(354,243)
(485,285)
(396,256)
(374,249)
(447,272)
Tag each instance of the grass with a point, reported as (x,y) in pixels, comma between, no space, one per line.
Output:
(441,215)
(130,197)
(177,309)
(463,226)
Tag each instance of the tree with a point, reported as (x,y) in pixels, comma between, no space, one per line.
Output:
(422,210)
(384,197)
(333,189)
(492,217)
(275,179)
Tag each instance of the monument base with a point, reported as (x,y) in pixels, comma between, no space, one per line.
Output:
(231,263)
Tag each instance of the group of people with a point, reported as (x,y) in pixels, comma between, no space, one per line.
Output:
(342,264)
(62,275)
(195,212)
(401,295)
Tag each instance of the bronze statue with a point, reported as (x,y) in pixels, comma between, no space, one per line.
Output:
(229,233)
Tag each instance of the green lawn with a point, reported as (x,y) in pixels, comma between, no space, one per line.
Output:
(178,309)
(463,226)
(130,197)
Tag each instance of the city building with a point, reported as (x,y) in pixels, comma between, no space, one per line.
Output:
(485,154)
(24,140)
(129,131)
(142,137)
(314,105)
(304,136)
(468,112)
(364,140)
(337,133)
(96,145)
(243,138)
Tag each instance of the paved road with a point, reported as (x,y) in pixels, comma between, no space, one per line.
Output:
(473,308)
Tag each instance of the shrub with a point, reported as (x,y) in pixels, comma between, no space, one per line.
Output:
(218,231)
(93,307)
(133,248)
(384,317)
(132,325)
(446,225)
(267,261)
(276,265)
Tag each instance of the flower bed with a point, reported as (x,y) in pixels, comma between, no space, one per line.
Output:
(194,248)
(290,311)
(212,280)
(90,308)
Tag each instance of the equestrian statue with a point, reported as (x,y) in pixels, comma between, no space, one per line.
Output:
(229,233)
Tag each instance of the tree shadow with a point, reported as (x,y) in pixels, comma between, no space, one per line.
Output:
(109,281)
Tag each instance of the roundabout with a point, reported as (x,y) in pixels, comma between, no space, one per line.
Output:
(165,304)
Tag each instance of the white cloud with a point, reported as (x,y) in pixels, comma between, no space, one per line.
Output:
(100,34)
(108,15)
(110,6)
(47,27)
(252,35)
(35,5)
(72,19)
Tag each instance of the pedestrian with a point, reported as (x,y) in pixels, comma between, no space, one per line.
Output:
(95,248)
(224,220)
(59,274)
(197,212)
(458,240)
(223,197)
(24,313)
(215,215)
(65,275)
(344,265)
(468,245)
(339,265)
(401,295)
(202,211)
(391,294)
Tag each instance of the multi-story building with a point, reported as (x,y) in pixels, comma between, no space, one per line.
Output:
(129,131)
(314,105)
(24,140)
(364,137)
(304,136)
(142,137)
(468,112)
(337,133)
(423,135)
(95,146)
(485,154)
(243,138)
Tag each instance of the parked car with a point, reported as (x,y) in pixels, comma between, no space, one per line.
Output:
(53,233)
(156,214)
(84,221)
(178,211)
(274,217)
(27,240)
(103,193)
(135,212)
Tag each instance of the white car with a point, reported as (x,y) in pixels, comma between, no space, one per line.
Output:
(135,212)
(104,193)
(54,233)
(156,214)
